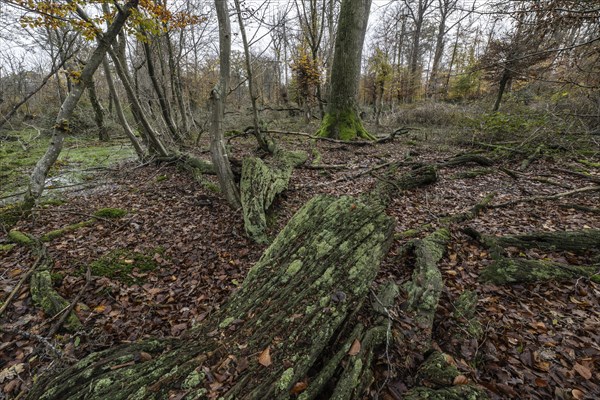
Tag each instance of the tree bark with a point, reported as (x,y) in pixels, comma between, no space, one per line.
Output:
(218,151)
(318,269)
(259,186)
(119,110)
(264,142)
(61,127)
(342,119)
(98,111)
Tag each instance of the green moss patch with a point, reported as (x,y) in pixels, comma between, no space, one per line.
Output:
(5,248)
(69,228)
(343,125)
(19,237)
(120,265)
(112,213)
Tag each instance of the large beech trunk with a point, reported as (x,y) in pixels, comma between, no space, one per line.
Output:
(318,270)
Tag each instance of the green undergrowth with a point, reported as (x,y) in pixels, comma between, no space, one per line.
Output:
(121,264)
(23,148)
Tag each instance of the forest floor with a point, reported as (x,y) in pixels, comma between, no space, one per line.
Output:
(180,251)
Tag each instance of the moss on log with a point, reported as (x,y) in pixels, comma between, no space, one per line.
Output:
(46,297)
(436,380)
(467,159)
(516,270)
(21,238)
(426,284)
(260,184)
(47,237)
(291,306)
(576,241)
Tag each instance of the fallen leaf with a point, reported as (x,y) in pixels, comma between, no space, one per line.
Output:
(583,371)
(145,356)
(355,348)
(11,372)
(577,394)
(460,380)
(299,387)
(264,358)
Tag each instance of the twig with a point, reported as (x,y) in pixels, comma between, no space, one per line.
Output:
(41,339)
(579,174)
(11,296)
(551,197)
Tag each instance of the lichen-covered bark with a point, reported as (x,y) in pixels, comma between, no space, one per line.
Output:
(426,284)
(46,297)
(435,378)
(517,270)
(318,271)
(260,184)
(577,241)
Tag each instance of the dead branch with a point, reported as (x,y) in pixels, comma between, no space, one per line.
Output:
(550,197)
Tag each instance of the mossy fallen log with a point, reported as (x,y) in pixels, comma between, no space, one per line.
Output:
(576,241)
(438,380)
(468,159)
(267,341)
(426,284)
(260,184)
(516,270)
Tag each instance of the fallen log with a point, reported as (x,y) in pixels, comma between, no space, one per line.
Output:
(516,270)
(576,241)
(260,184)
(318,271)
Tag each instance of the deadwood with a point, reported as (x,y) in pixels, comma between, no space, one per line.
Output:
(271,335)
(260,184)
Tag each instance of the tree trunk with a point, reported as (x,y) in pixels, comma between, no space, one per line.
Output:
(501,88)
(432,86)
(218,96)
(265,143)
(61,127)
(342,119)
(318,269)
(165,107)
(119,110)
(154,142)
(98,111)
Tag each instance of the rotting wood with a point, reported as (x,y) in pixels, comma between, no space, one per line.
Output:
(436,379)
(591,178)
(318,269)
(466,159)
(260,184)
(517,270)
(40,281)
(426,283)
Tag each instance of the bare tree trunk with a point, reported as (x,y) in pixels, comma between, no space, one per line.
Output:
(501,89)
(342,120)
(162,100)
(119,110)
(218,95)
(154,142)
(61,127)
(98,111)
(263,141)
